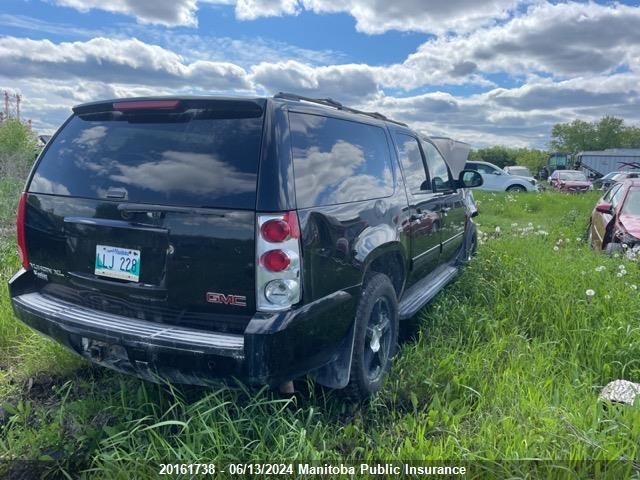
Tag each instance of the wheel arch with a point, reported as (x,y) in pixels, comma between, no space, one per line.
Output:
(391,260)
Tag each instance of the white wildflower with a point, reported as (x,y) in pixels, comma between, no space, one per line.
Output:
(601,268)
(589,293)
(497,229)
(556,248)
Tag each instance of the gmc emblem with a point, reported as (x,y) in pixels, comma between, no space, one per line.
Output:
(235,300)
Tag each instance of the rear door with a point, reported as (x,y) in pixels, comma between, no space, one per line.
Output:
(146,209)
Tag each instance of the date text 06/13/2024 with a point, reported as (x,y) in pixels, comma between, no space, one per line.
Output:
(310,469)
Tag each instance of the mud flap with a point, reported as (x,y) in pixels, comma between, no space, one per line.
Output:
(336,373)
(466,251)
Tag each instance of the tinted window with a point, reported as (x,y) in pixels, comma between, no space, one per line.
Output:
(194,158)
(412,162)
(438,170)
(617,196)
(611,192)
(338,161)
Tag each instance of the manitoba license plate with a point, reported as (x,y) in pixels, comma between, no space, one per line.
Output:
(117,262)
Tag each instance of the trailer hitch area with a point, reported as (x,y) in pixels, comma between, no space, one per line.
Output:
(103,352)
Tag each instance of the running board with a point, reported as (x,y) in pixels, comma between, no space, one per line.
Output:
(419,294)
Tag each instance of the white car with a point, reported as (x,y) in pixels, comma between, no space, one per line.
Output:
(519,171)
(497,180)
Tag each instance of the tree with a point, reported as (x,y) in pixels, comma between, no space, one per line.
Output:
(631,137)
(498,155)
(534,160)
(18,149)
(573,137)
(608,132)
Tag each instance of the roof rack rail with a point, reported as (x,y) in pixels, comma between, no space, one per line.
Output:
(329,102)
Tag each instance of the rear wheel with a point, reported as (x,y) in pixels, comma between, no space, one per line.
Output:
(376,338)
(516,189)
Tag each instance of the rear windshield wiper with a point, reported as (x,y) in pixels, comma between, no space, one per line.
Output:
(145,208)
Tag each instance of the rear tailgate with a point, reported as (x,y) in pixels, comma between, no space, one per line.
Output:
(148,211)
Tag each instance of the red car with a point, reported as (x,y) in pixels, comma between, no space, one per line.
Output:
(570,181)
(615,222)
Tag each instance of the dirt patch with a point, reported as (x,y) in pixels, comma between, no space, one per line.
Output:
(45,390)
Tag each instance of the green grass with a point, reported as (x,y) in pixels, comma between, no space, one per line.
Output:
(9,190)
(507,364)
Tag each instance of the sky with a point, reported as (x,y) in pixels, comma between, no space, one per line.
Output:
(494,72)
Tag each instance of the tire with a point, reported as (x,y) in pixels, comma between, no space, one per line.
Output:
(516,189)
(613,248)
(376,338)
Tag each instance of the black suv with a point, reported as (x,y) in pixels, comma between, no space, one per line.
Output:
(192,239)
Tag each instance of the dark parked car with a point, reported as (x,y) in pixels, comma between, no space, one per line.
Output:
(610,178)
(571,181)
(193,239)
(615,221)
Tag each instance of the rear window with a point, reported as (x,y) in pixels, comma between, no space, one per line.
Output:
(199,157)
(338,161)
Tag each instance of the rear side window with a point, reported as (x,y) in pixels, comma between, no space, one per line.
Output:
(411,158)
(198,157)
(338,161)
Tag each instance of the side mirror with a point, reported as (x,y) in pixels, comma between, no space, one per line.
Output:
(470,179)
(605,208)
(438,185)
(497,172)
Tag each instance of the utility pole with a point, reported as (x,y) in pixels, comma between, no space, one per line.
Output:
(18,98)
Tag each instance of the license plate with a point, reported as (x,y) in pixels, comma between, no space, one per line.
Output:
(117,262)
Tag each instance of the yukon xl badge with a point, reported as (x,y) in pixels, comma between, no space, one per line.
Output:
(235,300)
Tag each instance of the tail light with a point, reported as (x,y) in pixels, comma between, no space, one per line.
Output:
(20,230)
(278,280)
(128,105)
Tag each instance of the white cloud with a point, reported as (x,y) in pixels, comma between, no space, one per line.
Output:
(435,16)
(344,82)
(162,12)
(115,60)
(252,9)
(372,16)
(560,40)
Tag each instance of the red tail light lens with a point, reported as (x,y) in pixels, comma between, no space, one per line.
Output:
(146,105)
(275,260)
(275,231)
(294,227)
(20,230)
